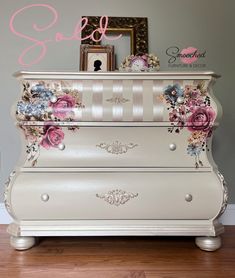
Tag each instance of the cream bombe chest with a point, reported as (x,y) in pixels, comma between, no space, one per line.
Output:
(116,154)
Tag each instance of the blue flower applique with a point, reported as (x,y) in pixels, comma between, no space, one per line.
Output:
(194,150)
(31,109)
(41,92)
(172,92)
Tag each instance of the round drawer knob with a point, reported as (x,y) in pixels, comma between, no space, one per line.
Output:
(53,99)
(61,146)
(45,197)
(172,146)
(188,197)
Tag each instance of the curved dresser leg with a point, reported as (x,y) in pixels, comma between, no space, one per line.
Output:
(208,243)
(22,242)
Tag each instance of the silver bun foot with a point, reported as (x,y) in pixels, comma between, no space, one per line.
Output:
(208,243)
(22,242)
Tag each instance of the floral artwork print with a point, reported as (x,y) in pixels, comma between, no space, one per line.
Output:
(40,103)
(47,136)
(190,108)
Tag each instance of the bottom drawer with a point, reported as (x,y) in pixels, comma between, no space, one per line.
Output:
(146,195)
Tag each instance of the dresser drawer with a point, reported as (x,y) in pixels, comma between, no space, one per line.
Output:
(117,147)
(125,97)
(47,196)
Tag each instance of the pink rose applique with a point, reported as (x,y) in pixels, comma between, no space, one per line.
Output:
(63,106)
(202,118)
(52,137)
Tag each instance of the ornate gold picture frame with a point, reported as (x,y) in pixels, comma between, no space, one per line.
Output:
(136,27)
(96,57)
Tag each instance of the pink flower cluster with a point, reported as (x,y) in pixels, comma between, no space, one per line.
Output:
(202,118)
(63,106)
(195,112)
(52,138)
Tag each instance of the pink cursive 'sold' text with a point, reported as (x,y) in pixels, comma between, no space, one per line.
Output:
(42,45)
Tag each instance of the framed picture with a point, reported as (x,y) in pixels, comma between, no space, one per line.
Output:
(136,28)
(96,58)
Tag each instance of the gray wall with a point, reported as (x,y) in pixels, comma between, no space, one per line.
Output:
(205,24)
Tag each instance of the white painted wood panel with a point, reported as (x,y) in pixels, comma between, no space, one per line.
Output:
(155,196)
(120,147)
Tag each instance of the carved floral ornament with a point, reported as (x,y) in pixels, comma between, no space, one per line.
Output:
(117,100)
(225,193)
(116,147)
(117,197)
(6,192)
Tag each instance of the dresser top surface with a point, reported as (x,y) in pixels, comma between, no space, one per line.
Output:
(115,75)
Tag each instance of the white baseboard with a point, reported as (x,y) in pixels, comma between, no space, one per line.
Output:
(228,218)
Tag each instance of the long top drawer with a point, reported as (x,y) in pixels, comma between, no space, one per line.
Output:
(117,97)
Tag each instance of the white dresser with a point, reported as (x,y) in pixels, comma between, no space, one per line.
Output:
(116,154)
